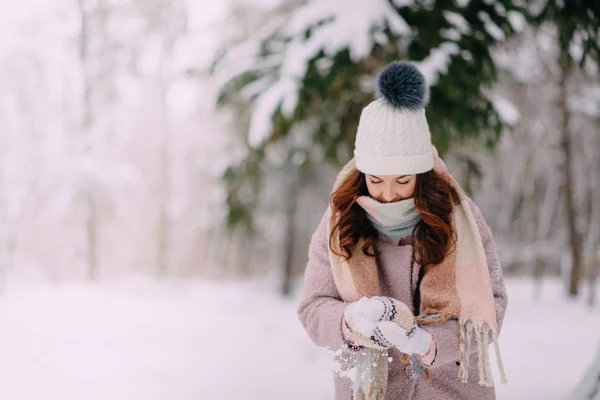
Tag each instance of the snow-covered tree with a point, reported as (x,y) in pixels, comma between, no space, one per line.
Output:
(105,167)
(529,219)
(578,31)
(306,75)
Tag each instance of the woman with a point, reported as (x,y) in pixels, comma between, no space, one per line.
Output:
(403,281)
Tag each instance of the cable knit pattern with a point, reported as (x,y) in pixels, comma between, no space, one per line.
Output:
(391,141)
(321,311)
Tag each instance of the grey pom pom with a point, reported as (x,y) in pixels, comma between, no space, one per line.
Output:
(403,86)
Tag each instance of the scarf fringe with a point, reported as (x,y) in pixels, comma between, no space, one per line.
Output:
(368,393)
(499,358)
(482,332)
(372,369)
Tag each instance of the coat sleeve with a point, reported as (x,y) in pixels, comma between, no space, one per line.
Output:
(321,308)
(446,334)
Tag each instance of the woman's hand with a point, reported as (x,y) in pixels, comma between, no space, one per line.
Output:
(362,315)
(417,340)
(362,318)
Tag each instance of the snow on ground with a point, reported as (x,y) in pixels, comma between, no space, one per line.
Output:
(184,340)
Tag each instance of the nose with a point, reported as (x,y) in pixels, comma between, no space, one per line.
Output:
(388,195)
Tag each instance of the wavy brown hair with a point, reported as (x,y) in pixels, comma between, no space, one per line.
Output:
(435,197)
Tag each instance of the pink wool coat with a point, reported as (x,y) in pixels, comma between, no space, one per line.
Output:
(321,310)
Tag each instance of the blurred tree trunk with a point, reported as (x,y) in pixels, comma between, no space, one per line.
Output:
(7,255)
(592,239)
(86,123)
(537,241)
(165,146)
(90,225)
(592,242)
(292,191)
(172,23)
(593,272)
(566,144)
(164,169)
(245,263)
(10,258)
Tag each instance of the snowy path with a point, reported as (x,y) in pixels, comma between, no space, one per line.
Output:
(145,340)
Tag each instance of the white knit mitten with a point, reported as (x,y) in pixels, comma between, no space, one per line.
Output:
(417,340)
(359,325)
(362,315)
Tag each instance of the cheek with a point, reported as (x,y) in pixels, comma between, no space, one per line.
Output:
(407,190)
(374,190)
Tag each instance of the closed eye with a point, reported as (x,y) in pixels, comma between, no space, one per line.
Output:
(403,183)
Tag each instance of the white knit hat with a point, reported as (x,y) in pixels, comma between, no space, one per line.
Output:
(393,136)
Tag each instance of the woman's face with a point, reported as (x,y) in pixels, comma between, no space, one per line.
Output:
(391,188)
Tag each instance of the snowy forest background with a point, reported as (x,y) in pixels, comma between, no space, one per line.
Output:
(164,163)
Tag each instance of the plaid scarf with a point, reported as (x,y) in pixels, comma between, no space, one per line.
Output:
(469,299)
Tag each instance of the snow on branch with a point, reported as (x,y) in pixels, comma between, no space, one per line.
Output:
(508,113)
(437,62)
(327,26)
